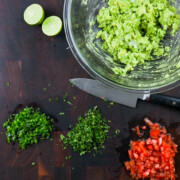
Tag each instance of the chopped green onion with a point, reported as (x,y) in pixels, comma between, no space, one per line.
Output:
(117,131)
(28,126)
(8,84)
(68,157)
(65,97)
(61,113)
(56,99)
(69,103)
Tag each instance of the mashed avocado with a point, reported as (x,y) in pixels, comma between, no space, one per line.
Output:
(132,30)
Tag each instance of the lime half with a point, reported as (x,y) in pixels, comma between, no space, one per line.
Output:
(34,14)
(52,26)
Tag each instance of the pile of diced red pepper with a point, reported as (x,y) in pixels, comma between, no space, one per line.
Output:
(153,158)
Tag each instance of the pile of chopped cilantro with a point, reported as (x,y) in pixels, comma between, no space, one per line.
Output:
(132,30)
(89,134)
(28,126)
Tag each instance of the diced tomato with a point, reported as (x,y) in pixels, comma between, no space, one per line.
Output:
(149,141)
(130,152)
(148,122)
(175,147)
(137,149)
(160,141)
(156,147)
(127,165)
(166,168)
(132,163)
(154,133)
(150,147)
(138,131)
(135,155)
(146,173)
(156,166)
(153,158)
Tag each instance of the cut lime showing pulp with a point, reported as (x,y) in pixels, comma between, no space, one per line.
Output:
(52,26)
(34,14)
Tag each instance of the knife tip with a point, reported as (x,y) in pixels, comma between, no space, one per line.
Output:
(71,80)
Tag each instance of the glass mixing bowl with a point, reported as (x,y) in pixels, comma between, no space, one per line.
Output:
(81,28)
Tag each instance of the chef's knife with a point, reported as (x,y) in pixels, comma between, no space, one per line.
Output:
(98,89)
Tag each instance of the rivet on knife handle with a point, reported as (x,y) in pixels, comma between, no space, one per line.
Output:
(166,100)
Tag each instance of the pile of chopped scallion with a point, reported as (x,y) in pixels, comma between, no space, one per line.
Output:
(28,126)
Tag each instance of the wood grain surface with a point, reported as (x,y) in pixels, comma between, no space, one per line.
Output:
(30,60)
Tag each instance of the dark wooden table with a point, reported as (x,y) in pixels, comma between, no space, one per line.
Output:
(30,61)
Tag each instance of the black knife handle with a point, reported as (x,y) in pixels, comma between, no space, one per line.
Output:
(166,100)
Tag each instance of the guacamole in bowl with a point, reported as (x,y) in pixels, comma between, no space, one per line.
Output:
(130,45)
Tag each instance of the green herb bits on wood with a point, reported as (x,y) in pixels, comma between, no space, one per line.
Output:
(89,134)
(28,126)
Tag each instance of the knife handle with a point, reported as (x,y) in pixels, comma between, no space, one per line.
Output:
(165,100)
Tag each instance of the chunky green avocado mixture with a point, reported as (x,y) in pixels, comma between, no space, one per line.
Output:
(132,30)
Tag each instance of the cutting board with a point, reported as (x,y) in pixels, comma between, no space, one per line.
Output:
(29,61)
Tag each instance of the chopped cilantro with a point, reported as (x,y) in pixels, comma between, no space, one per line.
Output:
(44,89)
(49,85)
(33,163)
(89,134)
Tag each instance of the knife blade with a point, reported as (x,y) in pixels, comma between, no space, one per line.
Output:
(98,89)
